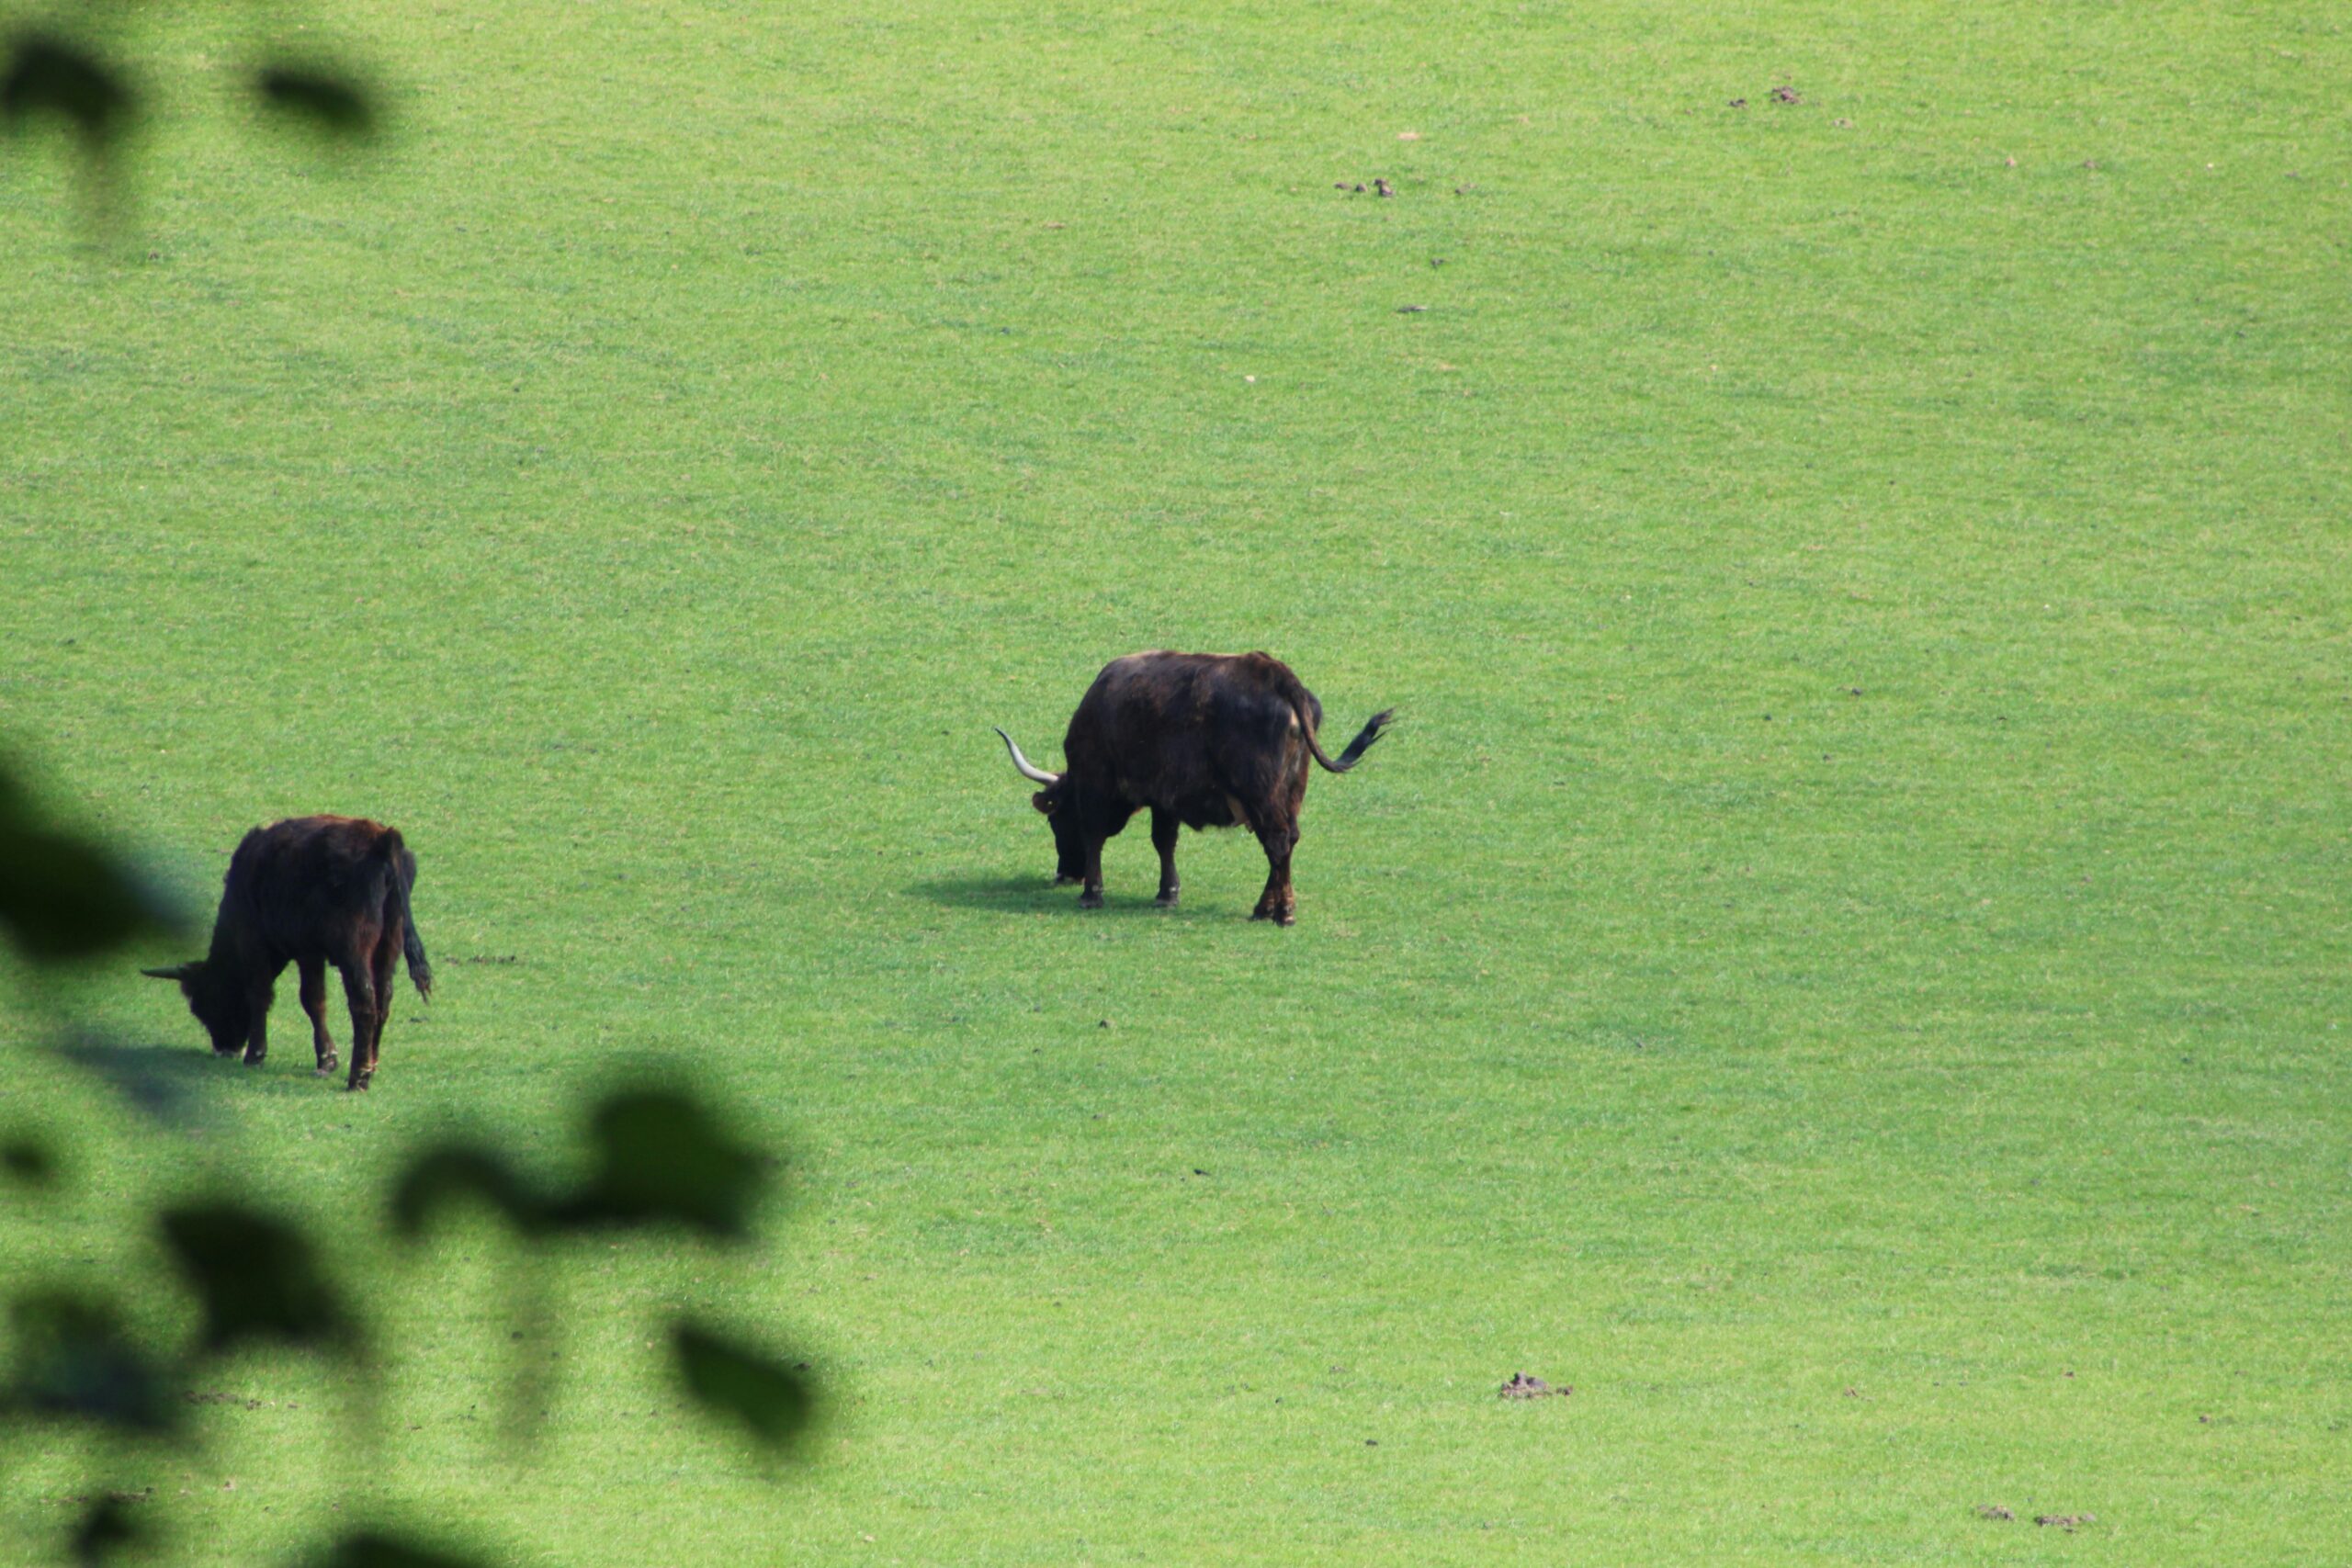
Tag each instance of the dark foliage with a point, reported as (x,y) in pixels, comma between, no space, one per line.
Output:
(453,1173)
(29,1161)
(48,75)
(663,1159)
(758,1394)
(368,1549)
(74,1362)
(61,897)
(257,1278)
(327,101)
(105,1530)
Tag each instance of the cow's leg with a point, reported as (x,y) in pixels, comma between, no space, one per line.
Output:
(388,965)
(1164,828)
(258,998)
(359,990)
(1090,897)
(1277,903)
(314,1002)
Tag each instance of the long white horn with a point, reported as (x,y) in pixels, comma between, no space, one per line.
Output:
(1029,770)
(177,972)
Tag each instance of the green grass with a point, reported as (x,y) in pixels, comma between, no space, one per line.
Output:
(1844,960)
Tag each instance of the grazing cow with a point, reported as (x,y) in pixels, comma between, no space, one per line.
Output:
(308,891)
(1205,739)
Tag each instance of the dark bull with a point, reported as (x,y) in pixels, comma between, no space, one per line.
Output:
(1204,739)
(308,891)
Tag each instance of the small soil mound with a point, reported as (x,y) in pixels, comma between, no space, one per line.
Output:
(1522,1386)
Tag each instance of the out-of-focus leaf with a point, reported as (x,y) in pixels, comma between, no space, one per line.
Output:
(106,1529)
(257,1278)
(663,1159)
(27,1160)
(450,1173)
(328,102)
(48,75)
(368,1549)
(74,1360)
(761,1393)
(61,898)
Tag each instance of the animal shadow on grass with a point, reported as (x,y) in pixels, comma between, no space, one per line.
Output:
(1031,896)
(166,1083)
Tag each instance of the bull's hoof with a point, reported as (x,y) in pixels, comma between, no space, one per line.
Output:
(252,1060)
(357,1085)
(1167,900)
(1280,917)
(1067,881)
(1090,900)
(327,1065)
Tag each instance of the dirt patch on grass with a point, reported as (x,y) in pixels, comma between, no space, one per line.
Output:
(1522,1386)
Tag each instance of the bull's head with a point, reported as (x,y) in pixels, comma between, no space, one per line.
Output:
(218,1003)
(1053,803)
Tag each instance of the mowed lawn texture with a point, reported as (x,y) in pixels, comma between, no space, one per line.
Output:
(1843,959)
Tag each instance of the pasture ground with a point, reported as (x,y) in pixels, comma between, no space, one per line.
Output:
(1844,960)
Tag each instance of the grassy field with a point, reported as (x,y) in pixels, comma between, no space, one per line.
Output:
(1845,959)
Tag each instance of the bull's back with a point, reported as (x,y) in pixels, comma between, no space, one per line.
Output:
(1173,729)
(300,884)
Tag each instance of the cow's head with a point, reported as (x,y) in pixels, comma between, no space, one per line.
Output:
(1053,803)
(218,1003)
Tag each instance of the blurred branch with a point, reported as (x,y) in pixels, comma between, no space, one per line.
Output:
(328,101)
(48,75)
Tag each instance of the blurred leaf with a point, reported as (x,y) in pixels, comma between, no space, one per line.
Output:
(257,1278)
(332,105)
(74,1360)
(107,1529)
(60,897)
(448,1173)
(368,1549)
(663,1159)
(761,1393)
(29,1161)
(47,75)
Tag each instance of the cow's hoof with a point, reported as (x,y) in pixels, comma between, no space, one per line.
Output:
(1067,881)
(327,1067)
(253,1060)
(1090,900)
(1166,900)
(357,1086)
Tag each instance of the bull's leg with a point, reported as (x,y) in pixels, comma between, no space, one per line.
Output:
(1090,897)
(258,998)
(359,990)
(314,1002)
(1277,903)
(388,963)
(1164,827)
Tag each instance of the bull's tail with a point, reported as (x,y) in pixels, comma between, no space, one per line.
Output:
(1305,706)
(402,866)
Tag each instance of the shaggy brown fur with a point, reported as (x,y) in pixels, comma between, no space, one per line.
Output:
(308,891)
(1203,739)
